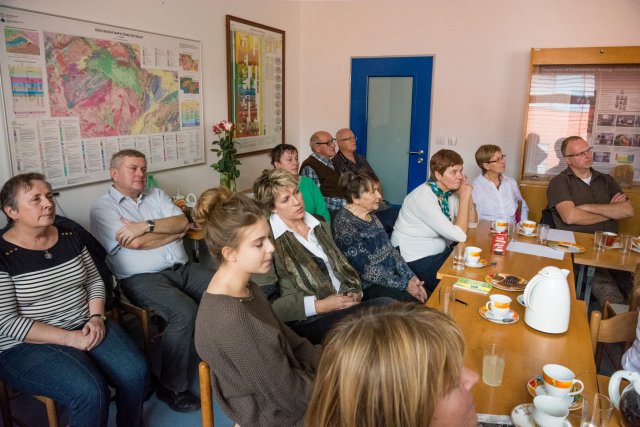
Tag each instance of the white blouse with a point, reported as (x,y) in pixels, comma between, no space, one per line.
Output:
(494,203)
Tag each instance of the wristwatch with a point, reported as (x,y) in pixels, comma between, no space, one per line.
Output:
(151,225)
(102,316)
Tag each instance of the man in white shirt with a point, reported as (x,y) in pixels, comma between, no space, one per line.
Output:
(141,230)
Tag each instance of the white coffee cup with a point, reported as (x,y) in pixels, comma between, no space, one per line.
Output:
(472,255)
(191,200)
(498,305)
(500,225)
(528,227)
(550,412)
(558,381)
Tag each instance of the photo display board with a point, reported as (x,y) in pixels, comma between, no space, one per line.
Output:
(600,103)
(76,92)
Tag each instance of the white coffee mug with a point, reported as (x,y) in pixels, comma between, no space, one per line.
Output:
(191,200)
(498,305)
(528,227)
(472,255)
(559,380)
(500,225)
(550,412)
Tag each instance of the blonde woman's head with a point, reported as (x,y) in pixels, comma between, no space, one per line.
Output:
(390,366)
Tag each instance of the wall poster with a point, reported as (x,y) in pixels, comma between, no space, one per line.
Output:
(76,92)
(599,102)
(255,56)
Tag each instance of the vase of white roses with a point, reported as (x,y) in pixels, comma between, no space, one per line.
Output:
(227,155)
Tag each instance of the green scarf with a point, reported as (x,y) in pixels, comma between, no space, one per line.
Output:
(304,271)
(443,197)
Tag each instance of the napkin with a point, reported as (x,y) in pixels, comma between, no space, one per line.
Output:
(532,249)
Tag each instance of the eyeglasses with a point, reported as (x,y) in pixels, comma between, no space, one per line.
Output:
(580,154)
(499,159)
(347,139)
(329,142)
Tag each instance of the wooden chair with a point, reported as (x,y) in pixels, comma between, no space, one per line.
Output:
(206,398)
(618,329)
(611,309)
(5,409)
(122,306)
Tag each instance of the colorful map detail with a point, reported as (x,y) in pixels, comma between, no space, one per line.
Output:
(103,84)
(22,41)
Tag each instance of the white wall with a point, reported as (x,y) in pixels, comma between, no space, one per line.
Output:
(481,53)
(193,19)
(480,75)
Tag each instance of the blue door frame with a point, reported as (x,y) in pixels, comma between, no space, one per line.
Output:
(420,68)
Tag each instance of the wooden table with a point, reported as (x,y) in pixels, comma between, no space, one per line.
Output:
(520,264)
(607,258)
(527,349)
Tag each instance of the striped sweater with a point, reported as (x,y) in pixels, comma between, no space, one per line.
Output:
(55,291)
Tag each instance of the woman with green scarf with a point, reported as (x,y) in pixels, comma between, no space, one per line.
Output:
(433,217)
(317,285)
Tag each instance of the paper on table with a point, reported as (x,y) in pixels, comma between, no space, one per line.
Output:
(531,249)
(561,235)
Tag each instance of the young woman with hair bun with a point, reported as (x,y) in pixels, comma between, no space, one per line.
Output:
(262,372)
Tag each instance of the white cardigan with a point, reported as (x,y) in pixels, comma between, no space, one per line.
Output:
(422,229)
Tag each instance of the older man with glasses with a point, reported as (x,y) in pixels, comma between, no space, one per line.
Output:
(585,200)
(319,168)
(347,160)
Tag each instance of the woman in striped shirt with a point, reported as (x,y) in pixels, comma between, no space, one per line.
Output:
(54,338)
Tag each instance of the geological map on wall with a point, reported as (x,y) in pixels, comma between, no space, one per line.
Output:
(76,92)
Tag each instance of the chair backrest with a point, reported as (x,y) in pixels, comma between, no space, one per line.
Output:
(617,329)
(206,398)
(547,217)
(635,292)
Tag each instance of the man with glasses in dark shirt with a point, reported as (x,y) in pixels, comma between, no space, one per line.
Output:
(319,168)
(585,200)
(347,160)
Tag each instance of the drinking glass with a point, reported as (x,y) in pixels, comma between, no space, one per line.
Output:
(596,411)
(447,296)
(626,240)
(598,241)
(458,257)
(543,231)
(493,358)
(512,231)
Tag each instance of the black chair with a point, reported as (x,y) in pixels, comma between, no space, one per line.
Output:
(547,218)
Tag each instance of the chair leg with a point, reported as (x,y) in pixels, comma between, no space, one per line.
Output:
(52,414)
(206,400)
(5,408)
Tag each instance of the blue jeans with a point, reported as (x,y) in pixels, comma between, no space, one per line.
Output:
(78,379)
(426,268)
(174,295)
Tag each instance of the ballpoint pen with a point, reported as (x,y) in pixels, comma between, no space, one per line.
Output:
(461,302)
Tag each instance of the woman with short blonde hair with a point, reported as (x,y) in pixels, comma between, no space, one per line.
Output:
(397,365)
(317,285)
(496,195)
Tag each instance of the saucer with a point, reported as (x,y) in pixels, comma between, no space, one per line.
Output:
(635,249)
(521,233)
(512,317)
(616,245)
(482,263)
(522,415)
(535,388)
(520,299)
(494,231)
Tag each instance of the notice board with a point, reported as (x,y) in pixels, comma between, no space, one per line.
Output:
(76,92)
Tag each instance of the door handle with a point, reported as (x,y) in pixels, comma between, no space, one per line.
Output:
(416,153)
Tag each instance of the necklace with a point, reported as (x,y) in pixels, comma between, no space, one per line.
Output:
(248,298)
(351,209)
(47,254)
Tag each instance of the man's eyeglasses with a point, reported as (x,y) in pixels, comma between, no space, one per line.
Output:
(347,139)
(499,159)
(329,142)
(580,154)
